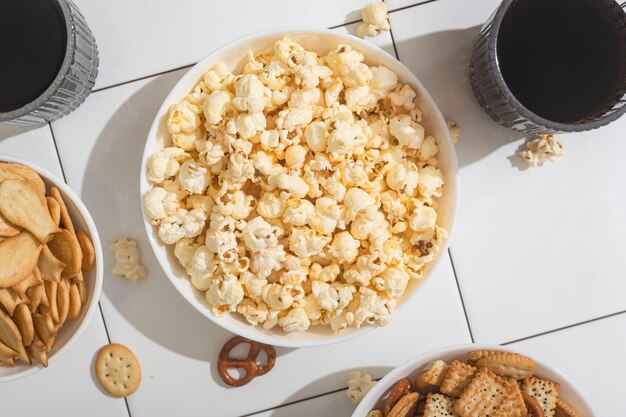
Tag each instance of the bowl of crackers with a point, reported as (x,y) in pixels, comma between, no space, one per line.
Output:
(298,186)
(50,268)
(474,380)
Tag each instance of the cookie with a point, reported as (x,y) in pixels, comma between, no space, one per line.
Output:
(457,378)
(509,365)
(439,405)
(118,370)
(489,395)
(430,380)
(564,410)
(405,407)
(545,392)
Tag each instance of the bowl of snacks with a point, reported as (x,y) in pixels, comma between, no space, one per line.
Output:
(50,268)
(298,185)
(474,380)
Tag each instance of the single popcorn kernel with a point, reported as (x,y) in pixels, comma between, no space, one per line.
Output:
(301,193)
(374,20)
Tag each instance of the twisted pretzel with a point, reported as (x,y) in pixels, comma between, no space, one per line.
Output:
(225,362)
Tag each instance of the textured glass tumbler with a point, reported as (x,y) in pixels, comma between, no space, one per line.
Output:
(75,79)
(496,98)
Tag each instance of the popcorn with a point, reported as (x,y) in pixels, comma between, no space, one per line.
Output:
(301,192)
(541,149)
(374,20)
(455,130)
(127,259)
(358,386)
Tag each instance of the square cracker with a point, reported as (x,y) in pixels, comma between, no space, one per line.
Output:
(430,380)
(489,395)
(545,392)
(458,377)
(439,405)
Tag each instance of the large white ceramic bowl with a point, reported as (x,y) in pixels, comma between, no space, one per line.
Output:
(234,56)
(421,363)
(72,329)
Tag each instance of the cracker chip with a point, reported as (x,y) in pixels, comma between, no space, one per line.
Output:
(397,391)
(7,229)
(9,300)
(65,247)
(439,405)
(11,336)
(45,329)
(63,301)
(18,258)
(49,266)
(118,370)
(51,294)
(489,395)
(89,253)
(24,321)
(509,365)
(430,380)
(564,410)
(24,206)
(55,210)
(13,171)
(75,303)
(545,392)
(82,289)
(31,280)
(66,220)
(35,295)
(38,351)
(406,406)
(6,353)
(457,378)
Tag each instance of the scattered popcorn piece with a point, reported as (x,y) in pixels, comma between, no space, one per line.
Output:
(358,386)
(127,259)
(455,130)
(374,20)
(541,149)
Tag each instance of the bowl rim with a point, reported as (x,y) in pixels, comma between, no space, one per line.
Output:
(99,271)
(412,364)
(251,332)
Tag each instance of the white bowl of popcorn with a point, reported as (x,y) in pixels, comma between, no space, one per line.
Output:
(297,185)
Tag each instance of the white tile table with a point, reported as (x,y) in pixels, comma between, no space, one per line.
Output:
(536,256)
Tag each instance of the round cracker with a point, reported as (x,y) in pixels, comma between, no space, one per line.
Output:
(118,370)
(89,253)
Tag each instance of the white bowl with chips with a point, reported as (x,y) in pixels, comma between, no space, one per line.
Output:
(72,329)
(413,367)
(234,56)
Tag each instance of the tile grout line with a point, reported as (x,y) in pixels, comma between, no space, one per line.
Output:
(106,329)
(107,87)
(458,286)
(569,326)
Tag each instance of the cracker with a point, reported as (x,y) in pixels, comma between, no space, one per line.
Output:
(509,365)
(55,210)
(24,322)
(82,289)
(25,206)
(476,355)
(564,410)
(6,353)
(545,392)
(38,351)
(7,229)
(9,300)
(489,395)
(375,413)
(457,378)
(118,370)
(65,247)
(79,277)
(430,380)
(31,280)
(439,405)
(75,303)
(51,295)
(397,391)
(89,253)
(406,406)
(35,295)
(66,220)
(49,266)
(18,258)
(11,336)
(45,329)
(63,301)
(13,171)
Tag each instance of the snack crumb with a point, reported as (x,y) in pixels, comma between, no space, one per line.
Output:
(127,259)
(455,130)
(375,20)
(358,386)
(541,149)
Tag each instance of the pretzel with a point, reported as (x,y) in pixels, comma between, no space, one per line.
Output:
(225,362)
